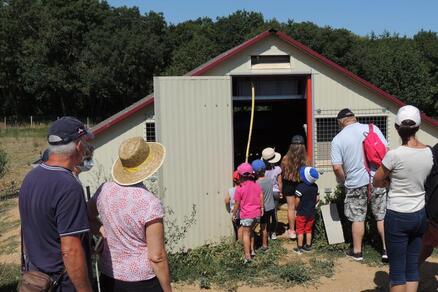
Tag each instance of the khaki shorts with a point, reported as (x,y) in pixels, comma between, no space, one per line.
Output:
(356,203)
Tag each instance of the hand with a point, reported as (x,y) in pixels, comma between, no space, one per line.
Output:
(102,231)
(262,211)
(281,195)
(234,218)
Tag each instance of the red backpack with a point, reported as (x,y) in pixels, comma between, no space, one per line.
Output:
(373,148)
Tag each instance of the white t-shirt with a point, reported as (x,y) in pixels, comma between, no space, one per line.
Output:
(347,149)
(409,169)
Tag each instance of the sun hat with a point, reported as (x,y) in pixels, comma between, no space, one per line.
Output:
(408,112)
(258,165)
(297,139)
(269,155)
(244,168)
(137,161)
(65,130)
(308,175)
(344,113)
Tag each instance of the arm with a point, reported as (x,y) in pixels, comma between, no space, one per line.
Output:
(262,203)
(236,207)
(339,172)
(73,256)
(157,253)
(297,202)
(227,201)
(381,178)
(280,185)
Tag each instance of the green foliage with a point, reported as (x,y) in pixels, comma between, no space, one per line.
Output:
(222,265)
(3,163)
(9,276)
(177,231)
(86,58)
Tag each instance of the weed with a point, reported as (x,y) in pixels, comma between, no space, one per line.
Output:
(9,276)
(294,273)
(9,245)
(323,267)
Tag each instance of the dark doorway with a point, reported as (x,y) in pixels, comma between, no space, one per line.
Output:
(280,113)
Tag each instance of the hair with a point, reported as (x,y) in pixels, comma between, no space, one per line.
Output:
(347,119)
(66,149)
(406,130)
(295,157)
(247,177)
(259,173)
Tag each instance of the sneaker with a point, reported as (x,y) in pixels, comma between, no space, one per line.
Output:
(247,261)
(253,253)
(264,248)
(355,256)
(273,236)
(298,250)
(292,234)
(307,248)
(384,256)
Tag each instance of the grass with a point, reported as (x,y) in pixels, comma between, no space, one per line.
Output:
(37,131)
(9,276)
(222,266)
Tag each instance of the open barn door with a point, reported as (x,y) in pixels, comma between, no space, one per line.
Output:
(194,122)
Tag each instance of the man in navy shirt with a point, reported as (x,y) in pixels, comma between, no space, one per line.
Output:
(53,210)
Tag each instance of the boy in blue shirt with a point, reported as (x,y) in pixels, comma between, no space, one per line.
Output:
(307,197)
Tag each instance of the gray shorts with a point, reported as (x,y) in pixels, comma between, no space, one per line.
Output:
(356,203)
(249,222)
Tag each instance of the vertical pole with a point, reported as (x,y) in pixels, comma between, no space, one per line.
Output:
(309,118)
(5,122)
(88,122)
(31,121)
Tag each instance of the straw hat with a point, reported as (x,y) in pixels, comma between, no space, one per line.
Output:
(137,161)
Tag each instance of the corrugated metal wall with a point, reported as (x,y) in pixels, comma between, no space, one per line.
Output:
(194,122)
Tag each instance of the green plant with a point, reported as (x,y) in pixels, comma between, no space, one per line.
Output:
(295,273)
(9,276)
(176,231)
(3,163)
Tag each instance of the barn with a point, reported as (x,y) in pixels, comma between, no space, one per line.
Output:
(203,119)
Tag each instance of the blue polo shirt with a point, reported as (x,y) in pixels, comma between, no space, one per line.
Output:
(52,205)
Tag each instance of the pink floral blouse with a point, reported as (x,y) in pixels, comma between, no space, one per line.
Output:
(124,212)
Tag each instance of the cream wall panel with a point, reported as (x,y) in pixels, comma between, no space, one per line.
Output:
(193,118)
(107,147)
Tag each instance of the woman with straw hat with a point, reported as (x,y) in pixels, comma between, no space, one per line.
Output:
(133,257)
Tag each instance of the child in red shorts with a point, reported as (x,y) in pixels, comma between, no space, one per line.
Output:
(307,196)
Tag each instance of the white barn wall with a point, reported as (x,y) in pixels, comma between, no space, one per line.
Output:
(107,147)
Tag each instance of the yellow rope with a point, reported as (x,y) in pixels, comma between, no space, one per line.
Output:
(251,121)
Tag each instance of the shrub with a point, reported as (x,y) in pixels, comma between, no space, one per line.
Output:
(3,163)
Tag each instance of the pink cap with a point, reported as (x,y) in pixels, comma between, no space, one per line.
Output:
(244,168)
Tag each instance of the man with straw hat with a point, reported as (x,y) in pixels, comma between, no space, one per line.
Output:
(134,257)
(53,211)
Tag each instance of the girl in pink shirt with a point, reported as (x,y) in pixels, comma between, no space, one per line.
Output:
(249,199)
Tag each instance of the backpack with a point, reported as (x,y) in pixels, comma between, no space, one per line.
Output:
(431,188)
(373,147)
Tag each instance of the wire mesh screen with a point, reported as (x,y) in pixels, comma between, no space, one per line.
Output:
(150,131)
(327,127)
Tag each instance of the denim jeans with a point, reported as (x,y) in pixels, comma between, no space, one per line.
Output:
(403,233)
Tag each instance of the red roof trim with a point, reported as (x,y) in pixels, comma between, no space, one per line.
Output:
(349,74)
(98,129)
(232,52)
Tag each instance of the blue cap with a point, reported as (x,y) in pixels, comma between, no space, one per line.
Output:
(258,165)
(308,175)
(65,130)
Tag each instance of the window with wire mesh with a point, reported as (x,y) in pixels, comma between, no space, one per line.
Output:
(150,131)
(326,130)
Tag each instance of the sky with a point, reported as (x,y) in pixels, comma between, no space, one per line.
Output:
(405,17)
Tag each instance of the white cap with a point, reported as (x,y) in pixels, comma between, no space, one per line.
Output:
(269,155)
(408,112)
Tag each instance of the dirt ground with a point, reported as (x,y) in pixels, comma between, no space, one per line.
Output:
(349,275)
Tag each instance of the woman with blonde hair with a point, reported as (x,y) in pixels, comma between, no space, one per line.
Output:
(295,158)
(134,257)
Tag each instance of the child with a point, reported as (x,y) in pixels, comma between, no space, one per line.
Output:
(248,198)
(265,183)
(273,171)
(306,198)
(229,203)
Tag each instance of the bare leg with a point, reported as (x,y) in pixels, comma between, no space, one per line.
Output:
(264,233)
(309,239)
(300,240)
(358,231)
(240,234)
(247,241)
(291,212)
(398,288)
(381,231)
(411,286)
(252,238)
